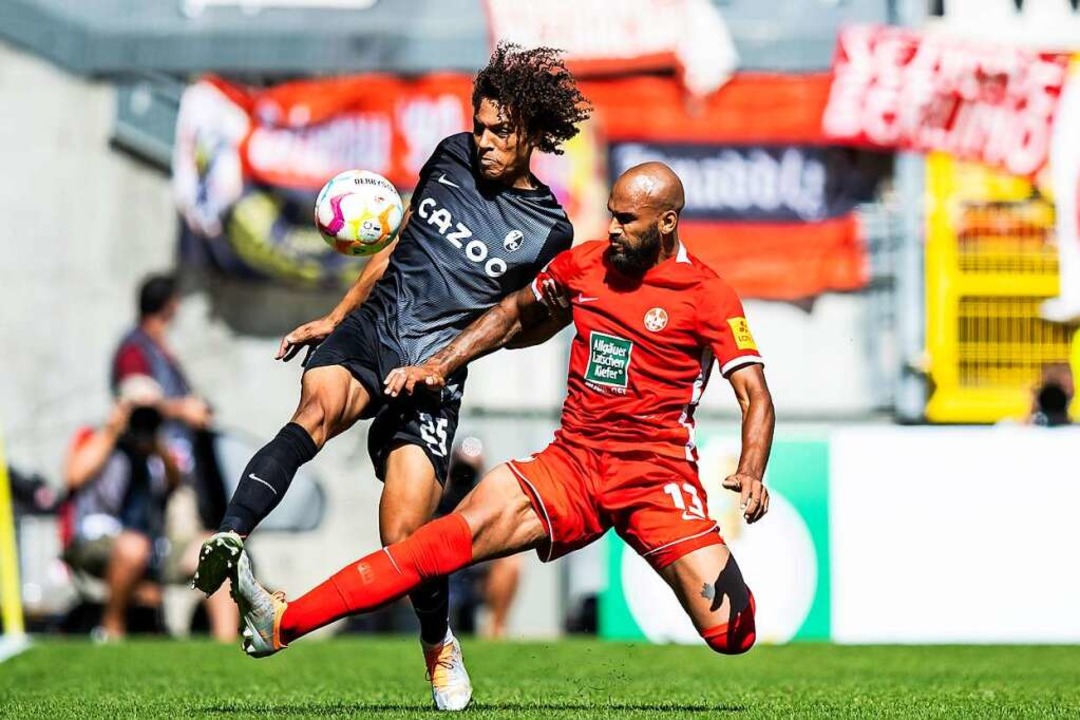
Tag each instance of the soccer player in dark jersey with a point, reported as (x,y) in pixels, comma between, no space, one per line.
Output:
(479,227)
(650,322)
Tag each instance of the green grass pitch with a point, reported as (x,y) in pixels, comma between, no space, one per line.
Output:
(384,678)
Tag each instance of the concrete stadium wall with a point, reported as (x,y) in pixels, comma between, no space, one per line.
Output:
(83,224)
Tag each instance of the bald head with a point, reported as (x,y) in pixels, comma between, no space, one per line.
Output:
(645,204)
(652,184)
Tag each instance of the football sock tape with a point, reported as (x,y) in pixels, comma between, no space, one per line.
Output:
(431,603)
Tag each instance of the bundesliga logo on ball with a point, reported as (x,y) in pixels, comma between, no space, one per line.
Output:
(358,212)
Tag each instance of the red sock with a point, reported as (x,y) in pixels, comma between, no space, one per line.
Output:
(438,548)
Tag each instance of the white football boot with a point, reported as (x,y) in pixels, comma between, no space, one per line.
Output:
(450,685)
(260,611)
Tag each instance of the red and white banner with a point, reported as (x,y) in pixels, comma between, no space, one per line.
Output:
(603,37)
(306,132)
(898,88)
(769,206)
(248,162)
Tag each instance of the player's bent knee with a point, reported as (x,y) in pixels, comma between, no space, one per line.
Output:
(311,415)
(498,499)
(321,417)
(322,404)
(736,636)
(398,529)
(481,518)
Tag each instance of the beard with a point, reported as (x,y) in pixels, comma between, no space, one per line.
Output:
(636,259)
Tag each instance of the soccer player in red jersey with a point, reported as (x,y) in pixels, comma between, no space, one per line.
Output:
(650,320)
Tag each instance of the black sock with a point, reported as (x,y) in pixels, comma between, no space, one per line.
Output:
(431,603)
(266,478)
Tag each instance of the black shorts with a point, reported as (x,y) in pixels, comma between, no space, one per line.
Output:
(426,419)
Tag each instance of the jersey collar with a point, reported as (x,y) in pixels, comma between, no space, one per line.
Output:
(681,256)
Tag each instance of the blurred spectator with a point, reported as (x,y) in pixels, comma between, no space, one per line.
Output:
(1053,396)
(492,584)
(119,477)
(145,351)
(187,417)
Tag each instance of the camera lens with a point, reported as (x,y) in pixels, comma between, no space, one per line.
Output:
(144,422)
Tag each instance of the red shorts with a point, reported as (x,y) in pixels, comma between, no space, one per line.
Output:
(655,503)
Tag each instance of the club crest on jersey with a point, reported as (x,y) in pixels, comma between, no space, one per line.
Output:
(656,319)
(513,239)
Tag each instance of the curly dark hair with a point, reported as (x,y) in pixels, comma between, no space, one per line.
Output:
(536,91)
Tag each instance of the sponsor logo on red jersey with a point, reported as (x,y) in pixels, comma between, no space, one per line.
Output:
(609,360)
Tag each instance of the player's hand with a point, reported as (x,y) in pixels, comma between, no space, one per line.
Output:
(407,378)
(307,335)
(554,297)
(753,496)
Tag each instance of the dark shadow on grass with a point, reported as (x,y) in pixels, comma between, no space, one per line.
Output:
(546,708)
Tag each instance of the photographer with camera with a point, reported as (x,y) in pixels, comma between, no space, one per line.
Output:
(145,350)
(119,477)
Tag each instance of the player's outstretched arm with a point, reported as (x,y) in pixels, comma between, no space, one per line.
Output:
(314,332)
(557,301)
(758,422)
(491,331)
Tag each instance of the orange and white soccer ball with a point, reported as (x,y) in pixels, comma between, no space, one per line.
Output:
(358,212)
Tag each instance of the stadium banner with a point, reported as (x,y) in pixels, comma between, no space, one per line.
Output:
(785,559)
(770,202)
(769,218)
(248,164)
(601,37)
(935,539)
(900,88)
(1065,174)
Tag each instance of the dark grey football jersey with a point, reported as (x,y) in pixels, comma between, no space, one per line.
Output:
(468,245)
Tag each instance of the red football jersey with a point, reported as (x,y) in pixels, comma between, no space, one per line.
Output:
(644,348)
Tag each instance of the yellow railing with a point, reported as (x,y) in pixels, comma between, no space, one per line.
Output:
(10,592)
(990,263)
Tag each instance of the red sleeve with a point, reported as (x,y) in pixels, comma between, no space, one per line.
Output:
(563,269)
(722,325)
(130,360)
